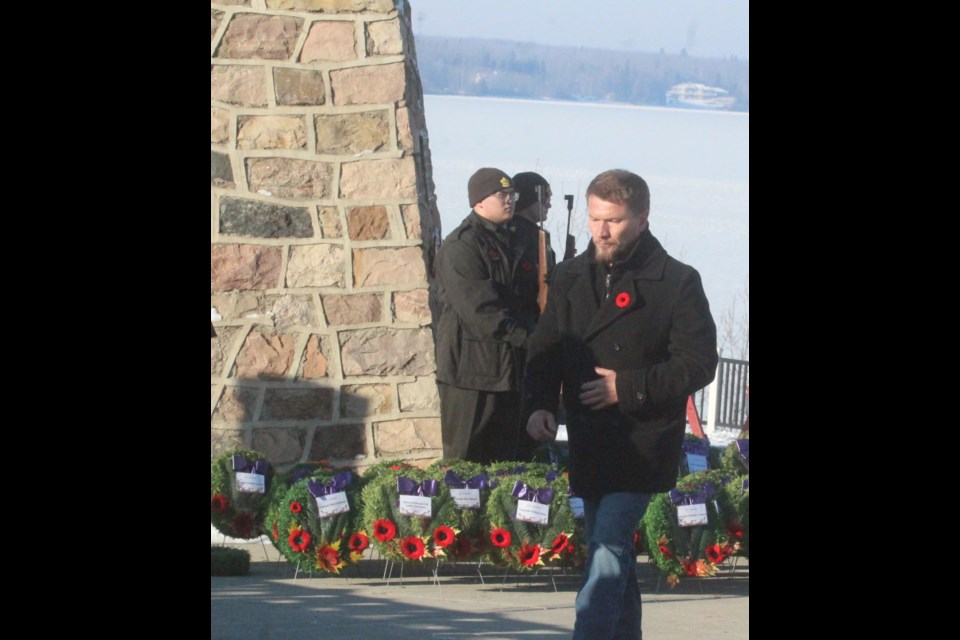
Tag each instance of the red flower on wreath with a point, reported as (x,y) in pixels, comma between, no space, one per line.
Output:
(735,530)
(715,554)
(276,533)
(384,530)
(219,503)
(698,568)
(529,555)
(243,524)
(443,535)
(359,542)
(559,543)
(665,551)
(500,538)
(299,539)
(412,547)
(295,507)
(623,299)
(328,559)
(463,546)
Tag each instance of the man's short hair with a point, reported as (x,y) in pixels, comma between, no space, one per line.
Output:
(622,187)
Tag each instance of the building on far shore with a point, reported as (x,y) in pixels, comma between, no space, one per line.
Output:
(699,96)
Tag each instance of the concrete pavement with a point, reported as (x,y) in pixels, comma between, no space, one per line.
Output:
(274,602)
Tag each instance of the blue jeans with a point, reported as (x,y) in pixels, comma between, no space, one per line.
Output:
(608,603)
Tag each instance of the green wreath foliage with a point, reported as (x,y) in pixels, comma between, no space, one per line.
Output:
(513,468)
(386,466)
(732,462)
(234,513)
(327,543)
(471,540)
(734,500)
(525,545)
(403,537)
(687,551)
(281,484)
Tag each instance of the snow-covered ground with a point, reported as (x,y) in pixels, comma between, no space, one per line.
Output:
(720,438)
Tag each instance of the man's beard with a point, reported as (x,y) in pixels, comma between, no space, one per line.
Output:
(611,253)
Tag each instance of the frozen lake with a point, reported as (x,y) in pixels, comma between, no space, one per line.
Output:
(696,163)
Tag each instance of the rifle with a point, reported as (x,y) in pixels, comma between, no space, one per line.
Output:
(571,249)
(542,257)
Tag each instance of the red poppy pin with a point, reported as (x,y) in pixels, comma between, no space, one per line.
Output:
(526,265)
(623,299)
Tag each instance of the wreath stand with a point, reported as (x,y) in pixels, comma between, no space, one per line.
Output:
(476,565)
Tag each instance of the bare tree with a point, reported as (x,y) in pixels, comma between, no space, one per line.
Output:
(733,333)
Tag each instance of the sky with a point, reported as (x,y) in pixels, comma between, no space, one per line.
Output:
(705,28)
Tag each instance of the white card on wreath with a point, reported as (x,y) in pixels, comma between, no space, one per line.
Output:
(416,506)
(251,482)
(533,512)
(696,462)
(690,515)
(332,504)
(576,505)
(466,498)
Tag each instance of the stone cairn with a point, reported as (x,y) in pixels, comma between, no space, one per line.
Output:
(323,230)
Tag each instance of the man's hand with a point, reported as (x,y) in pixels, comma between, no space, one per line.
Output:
(542,425)
(600,393)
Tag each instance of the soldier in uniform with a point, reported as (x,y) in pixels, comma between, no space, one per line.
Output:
(483,330)
(531,210)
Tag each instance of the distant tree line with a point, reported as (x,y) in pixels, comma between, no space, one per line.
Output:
(480,67)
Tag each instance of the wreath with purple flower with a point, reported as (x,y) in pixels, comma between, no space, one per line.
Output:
(241,485)
(282,483)
(734,501)
(408,515)
(735,459)
(318,521)
(689,550)
(470,486)
(520,543)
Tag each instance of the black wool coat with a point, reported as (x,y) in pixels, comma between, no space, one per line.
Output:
(484,319)
(656,331)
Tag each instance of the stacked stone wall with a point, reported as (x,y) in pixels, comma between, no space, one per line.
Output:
(323,229)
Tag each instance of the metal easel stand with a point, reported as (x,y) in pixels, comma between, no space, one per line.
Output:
(479,572)
(265,554)
(506,573)
(388,571)
(223,543)
(276,565)
(297,571)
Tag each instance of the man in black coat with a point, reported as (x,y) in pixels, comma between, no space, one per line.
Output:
(627,335)
(483,329)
